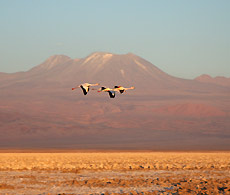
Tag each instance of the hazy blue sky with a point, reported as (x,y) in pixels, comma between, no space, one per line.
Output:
(184,38)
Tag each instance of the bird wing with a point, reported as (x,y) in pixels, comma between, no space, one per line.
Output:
(94,84)
(111,94)
(122,91)
(84,89)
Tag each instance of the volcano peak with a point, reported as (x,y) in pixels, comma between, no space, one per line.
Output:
(98,56)
(52,62)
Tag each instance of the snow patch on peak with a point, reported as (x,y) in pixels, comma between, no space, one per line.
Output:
(108,55)
(57,58)
(122,73)
(141,65)
(98,56)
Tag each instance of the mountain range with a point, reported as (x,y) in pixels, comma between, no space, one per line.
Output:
(38,109)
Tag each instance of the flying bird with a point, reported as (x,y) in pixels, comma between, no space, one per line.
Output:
(110,91)
(122,89)
(85,87)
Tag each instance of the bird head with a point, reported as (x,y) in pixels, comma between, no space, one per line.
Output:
(117,86)
(101,89)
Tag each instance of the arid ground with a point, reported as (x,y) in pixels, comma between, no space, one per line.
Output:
(115,173)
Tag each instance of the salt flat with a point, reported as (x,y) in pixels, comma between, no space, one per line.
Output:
(115,173)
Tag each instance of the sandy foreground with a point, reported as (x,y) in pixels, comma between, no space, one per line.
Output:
(115,173)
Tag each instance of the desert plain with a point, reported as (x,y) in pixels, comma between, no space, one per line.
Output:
(100,173)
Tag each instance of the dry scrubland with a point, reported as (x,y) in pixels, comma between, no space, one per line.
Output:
(115,173)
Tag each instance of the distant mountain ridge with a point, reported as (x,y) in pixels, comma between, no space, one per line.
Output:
(101,67)
(39,109)
(219,80)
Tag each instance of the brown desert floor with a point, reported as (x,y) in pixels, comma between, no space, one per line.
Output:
(115,173)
